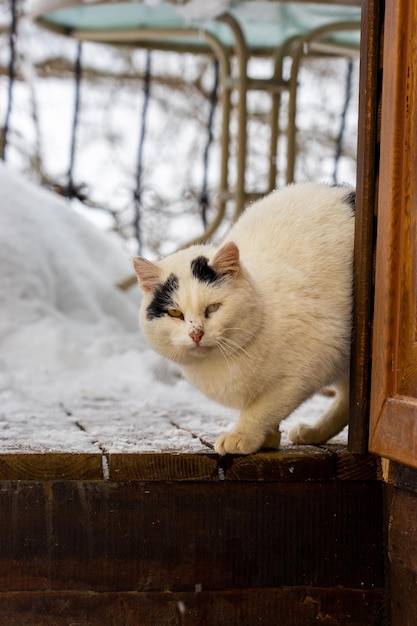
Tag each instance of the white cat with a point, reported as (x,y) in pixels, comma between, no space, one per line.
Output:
(263,321)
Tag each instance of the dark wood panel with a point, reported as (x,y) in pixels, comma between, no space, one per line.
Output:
(287,606)
(366,200)
(403,592)
(402,528)
(402,476)
(402,546)
(171,536)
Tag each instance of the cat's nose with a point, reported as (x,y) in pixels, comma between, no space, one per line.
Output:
(196,335)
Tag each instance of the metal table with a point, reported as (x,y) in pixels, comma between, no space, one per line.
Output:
(230,29)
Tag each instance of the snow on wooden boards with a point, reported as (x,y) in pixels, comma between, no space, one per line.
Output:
(101,438)
(44,444)
(94,437)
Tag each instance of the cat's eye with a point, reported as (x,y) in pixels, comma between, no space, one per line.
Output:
(175,313)
(212,308)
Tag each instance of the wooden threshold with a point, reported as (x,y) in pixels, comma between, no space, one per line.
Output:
(304,463)
(112,447)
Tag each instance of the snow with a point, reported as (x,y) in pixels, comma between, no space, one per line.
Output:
(75,371)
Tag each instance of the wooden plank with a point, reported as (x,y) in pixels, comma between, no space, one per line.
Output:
(402,528)
(163,466)
(366,193)
(395,433)
(112,440)
(46,444)
(51,466)
(153,446)
(293,463)
(160,536)
(290,463)
(402,476)
(403,586)
(354,466)
(146,444)
(129,447)
(402,548)
(297,606)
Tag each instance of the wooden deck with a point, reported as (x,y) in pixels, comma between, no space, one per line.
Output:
(134,522)
(105,441)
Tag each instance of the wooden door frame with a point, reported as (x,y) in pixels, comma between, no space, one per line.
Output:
(366,202)
(393,409)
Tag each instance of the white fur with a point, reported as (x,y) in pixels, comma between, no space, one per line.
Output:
(283,329)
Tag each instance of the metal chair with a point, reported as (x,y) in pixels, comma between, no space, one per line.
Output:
(274,29)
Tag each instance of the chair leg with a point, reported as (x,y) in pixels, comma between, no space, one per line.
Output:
(275,132)
(278,84)
(241,84)
(292,114)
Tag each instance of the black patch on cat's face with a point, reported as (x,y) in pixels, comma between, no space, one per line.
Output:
(202,271)
(162,298)
(350,200)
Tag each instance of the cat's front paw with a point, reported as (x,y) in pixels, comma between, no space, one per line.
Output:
(236,443)
(303,433)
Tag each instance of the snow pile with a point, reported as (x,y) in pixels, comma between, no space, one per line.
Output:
(69,338)
(59,303)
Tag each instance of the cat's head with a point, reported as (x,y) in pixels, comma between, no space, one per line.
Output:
(198,302)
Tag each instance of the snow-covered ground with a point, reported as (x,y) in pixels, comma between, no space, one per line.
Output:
(70,346)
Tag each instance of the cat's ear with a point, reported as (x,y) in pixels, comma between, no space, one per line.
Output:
(226,260)
(148,274)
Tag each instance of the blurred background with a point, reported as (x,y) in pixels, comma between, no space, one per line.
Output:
(162,106)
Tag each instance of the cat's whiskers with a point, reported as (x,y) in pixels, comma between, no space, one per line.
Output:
(239,348)
(245,330)
(232,346)
(224,353)
(228,353)
(173,354)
